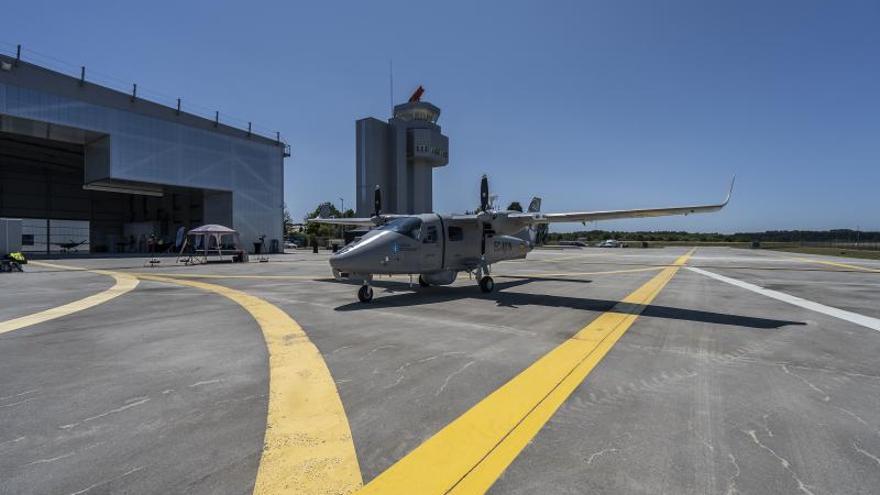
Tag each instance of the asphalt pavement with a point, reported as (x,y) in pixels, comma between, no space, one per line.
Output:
(714,388)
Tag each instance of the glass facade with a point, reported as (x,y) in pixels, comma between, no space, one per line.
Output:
(40,235)
(160,151)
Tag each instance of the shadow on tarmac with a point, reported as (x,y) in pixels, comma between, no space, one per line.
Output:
(402,296)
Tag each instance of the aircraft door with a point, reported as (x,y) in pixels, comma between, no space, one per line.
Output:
(431,252)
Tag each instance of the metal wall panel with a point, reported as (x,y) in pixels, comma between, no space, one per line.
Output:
(148,149)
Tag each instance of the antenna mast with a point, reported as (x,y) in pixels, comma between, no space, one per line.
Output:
(391,85)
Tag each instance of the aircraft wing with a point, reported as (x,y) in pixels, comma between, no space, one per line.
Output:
(589,216)
(355,221)
(361,222)
(464,217)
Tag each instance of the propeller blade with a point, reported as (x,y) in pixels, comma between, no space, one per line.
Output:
(484,193)
(484,218)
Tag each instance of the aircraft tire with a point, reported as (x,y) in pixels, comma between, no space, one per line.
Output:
(487,284)
(423,282)
(365,294)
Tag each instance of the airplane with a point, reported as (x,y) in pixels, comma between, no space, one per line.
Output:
(66,247)
(438,247)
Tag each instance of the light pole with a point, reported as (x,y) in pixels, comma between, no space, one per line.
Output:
(342,214)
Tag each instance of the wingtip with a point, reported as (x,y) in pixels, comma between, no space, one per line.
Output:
(730,189)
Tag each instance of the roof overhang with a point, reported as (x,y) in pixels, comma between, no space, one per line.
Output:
(125,187)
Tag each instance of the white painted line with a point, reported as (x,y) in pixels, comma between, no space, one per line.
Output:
(865,321)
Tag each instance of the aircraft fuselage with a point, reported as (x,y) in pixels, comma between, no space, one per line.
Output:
(433,245)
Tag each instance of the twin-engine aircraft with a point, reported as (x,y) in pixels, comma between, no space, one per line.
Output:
(437,247)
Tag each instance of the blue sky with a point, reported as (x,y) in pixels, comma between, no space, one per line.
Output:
(592,105)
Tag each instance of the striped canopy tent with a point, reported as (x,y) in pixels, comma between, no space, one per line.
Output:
(210,239)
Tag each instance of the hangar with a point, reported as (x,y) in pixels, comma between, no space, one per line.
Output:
(107,171)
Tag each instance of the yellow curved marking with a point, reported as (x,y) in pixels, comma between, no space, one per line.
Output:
(124,283)
(471,452)
(840,265)
(307,448)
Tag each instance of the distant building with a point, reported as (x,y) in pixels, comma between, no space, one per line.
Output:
(109,171)
(399,156)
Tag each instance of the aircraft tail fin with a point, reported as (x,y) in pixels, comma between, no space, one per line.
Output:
(535,205)
(324,211)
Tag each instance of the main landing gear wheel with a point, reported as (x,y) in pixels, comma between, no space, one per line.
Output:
(365,294)
(422,282)
(487,284)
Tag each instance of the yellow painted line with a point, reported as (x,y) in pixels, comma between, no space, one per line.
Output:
(307,448)
(469,454)
(124,283)
(839,265)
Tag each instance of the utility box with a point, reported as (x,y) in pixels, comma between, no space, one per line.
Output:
(10,235)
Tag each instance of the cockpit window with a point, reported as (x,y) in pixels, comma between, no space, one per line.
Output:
(408,226)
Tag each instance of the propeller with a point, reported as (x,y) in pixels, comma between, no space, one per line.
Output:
(484,208)
(541,234)
(377,201)
(484,193)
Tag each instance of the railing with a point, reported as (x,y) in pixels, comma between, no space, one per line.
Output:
(20,53)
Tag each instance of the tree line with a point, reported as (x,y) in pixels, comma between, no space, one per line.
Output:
(836,235)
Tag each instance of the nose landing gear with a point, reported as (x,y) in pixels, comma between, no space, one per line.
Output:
(365,294)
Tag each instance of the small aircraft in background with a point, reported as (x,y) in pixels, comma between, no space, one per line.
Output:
(71,245)
(610,243)
(439,246)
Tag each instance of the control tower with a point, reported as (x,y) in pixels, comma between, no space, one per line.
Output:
(399,156)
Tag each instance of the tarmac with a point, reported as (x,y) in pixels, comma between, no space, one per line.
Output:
(728,371)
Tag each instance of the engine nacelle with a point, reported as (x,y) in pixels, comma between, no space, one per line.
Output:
(497,222)
(440,278)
